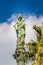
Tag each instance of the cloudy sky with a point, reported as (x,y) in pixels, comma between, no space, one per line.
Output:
(32,11)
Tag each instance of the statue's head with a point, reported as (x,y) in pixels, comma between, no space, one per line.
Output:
(19,16)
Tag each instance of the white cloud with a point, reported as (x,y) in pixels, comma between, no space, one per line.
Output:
(8,38)
(12,18)
(7,44)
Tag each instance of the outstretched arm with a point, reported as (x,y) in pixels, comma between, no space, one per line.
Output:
(37,29)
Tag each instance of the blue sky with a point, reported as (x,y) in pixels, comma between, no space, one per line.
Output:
(9,7)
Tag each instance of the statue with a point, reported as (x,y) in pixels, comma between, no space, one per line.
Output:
(35,48)
(20,30)
(20,50)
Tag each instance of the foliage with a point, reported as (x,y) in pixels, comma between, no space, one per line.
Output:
(36,48)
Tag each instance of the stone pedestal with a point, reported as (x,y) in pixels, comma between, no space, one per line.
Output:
(20,63)
(20,56)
